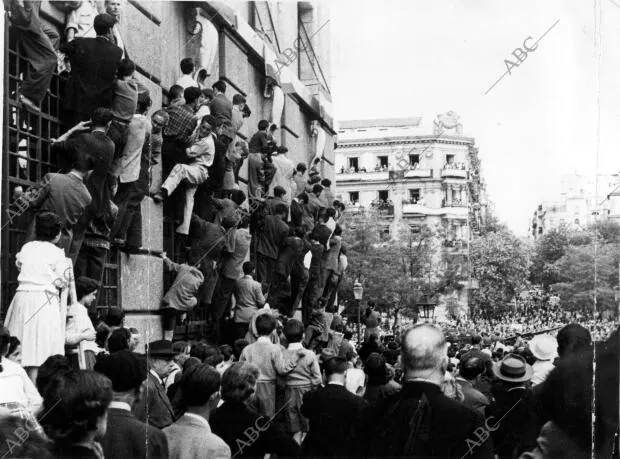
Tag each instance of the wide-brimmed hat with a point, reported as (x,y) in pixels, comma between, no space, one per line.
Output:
(161,348)
(544,347)
(513,368)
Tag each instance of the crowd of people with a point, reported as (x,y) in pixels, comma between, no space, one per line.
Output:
(416,395)
(284,230)
(532,320)
(279,373)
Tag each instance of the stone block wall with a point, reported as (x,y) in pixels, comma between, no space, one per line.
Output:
(157,37)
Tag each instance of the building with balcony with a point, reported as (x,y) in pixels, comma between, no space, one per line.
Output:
(275,54)
(578,204)
(418,174)
(418,177)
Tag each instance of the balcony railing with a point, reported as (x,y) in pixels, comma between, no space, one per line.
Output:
(419,173)
(454,170)
(363,176)
(414,207)
(455,244)
(354,208)
(453,203)
(383,208)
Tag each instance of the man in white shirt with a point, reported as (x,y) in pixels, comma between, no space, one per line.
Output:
(191,435)
(113,8)
(201,152)
(187,68)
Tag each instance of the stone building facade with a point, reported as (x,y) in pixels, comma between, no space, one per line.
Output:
(413,175)
(578,204)
(276,54)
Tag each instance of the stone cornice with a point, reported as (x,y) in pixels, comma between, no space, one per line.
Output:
(452,140)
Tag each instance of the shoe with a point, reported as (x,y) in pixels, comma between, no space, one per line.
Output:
(28,103)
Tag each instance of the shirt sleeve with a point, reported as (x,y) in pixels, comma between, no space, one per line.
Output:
(258,295)
(32,395)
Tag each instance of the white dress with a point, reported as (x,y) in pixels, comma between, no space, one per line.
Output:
(36,315)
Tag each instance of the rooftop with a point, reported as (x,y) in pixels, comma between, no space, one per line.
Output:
(376,123)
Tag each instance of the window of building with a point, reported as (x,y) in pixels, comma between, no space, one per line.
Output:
(27,157)
(384,233)
(576,221)
(383,161)
(384,195)
(353,163)
(354,197)
(414,195)
(449,159)
(414,160)
(540,230)
(415,229)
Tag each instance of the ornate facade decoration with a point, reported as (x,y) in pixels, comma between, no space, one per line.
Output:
(447,123)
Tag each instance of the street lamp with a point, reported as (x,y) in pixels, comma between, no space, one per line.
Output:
(358,292)
(426,308)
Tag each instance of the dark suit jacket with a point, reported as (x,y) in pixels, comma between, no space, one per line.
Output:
(333,414)
(93,70)
(445,426)
(221,107)
(67,196)
(271,236)
(154,408)
(474,399)
(128,437)
(230,422)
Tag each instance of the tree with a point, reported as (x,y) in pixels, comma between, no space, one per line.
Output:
(549,249)
(564,262)
(500,263)
(394,273)
(577,284)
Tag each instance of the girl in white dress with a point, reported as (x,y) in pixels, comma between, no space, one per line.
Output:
(37,314)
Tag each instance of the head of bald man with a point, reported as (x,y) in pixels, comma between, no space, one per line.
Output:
(425,353)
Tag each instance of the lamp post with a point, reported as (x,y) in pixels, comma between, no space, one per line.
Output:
(358,292)
(426,308)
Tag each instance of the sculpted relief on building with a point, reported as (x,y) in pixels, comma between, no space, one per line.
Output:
(447,123)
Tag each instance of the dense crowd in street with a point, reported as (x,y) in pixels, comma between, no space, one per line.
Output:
(279,373)
(536,319)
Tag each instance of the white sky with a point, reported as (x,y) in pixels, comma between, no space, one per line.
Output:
(419,58)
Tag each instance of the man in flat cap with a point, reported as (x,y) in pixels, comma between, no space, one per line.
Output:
(94,62)
(126,436)
(155,408)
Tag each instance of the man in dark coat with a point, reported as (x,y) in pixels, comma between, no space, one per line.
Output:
(270,239)
(100,149)
(333,414)
(155,408)
(38,50)
(420,421)
(93,70)
(125,435)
